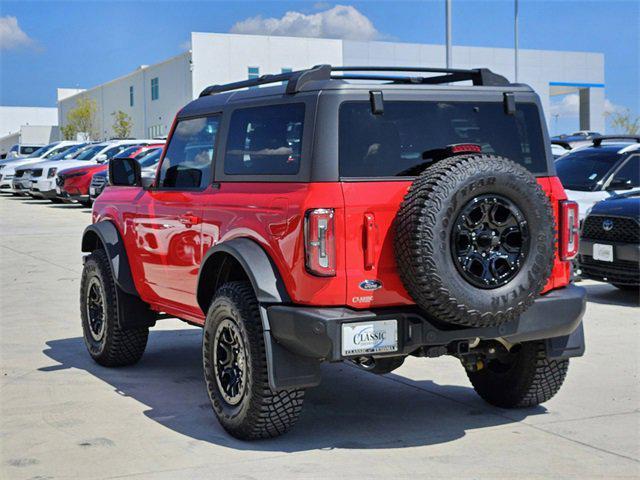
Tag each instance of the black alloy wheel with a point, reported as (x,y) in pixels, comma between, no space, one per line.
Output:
(230,362)
(489,241)
(96,309)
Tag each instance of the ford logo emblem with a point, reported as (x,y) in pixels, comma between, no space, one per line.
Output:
(607,225)
(370,285)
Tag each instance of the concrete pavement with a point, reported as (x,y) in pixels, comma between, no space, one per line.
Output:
(63,416)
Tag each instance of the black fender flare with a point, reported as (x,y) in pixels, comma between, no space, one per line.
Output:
(106,233)
(260,270)
(286,370)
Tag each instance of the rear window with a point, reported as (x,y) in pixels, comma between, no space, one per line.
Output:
(398,142)
(265,140)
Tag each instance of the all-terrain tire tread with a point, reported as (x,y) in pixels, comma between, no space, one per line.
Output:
(124,347)
(270,413)
(536,380)
(417,231)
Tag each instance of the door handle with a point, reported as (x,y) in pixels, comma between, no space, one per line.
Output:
(369,241)
(189,219)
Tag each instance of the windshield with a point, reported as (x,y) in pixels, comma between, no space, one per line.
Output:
(39,151)
(585,170)
(56,151)
(69,153)
(90,152)
(402,140)
(151,158)
(128,152)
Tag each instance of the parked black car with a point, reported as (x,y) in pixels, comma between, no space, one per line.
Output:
(610,242)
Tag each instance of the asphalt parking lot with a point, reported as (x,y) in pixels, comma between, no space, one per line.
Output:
(63,416)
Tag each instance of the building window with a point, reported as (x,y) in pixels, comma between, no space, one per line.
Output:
(156,131)
(285,70)
(131,96)
(155,89)
(253,73)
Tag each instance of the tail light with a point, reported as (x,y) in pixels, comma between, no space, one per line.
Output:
(569,230)
(320,242)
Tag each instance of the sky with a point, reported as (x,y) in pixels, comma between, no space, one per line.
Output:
(50,44)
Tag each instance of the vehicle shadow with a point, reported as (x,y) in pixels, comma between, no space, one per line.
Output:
(350,409)
(606,294)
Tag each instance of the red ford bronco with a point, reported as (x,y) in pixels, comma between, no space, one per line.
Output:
(354,213)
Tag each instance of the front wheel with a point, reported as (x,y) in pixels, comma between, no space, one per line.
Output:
(523,378)
(235,368)
(107,343)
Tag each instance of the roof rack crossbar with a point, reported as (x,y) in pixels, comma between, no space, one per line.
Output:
(597,141)
(296,80)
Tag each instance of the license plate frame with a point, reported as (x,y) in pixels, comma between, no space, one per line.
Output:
(603,252)
(371,337)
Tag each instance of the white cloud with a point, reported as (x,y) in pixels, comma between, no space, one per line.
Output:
(610,107)
(568,106)
(11,35)
(341,21)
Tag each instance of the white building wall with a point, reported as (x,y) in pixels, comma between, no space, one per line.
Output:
(12,118)
(537,68)
(174,80)
(223,58)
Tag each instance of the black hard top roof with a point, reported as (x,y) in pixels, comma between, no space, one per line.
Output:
(326,77)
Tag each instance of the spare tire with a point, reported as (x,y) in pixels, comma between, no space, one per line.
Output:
(475,240)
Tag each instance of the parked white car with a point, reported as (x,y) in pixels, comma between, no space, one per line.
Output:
(608,166)
(44,186)
(9,166)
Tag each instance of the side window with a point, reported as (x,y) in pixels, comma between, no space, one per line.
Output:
(112,152)
(630,172)
(190,152)
(265,140)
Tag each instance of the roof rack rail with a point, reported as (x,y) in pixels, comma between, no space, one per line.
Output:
(295,80)
(597,141)
(478,76)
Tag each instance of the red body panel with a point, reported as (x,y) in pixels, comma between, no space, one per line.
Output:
(167,233)
(79,184)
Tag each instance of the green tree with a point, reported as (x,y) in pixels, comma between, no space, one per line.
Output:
(81,118)
(122,124)
(68,132)
(623,122)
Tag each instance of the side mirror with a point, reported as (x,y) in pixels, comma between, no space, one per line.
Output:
(124,172)
(619,183)
(101,158)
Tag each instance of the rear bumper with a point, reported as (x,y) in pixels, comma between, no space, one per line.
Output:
(624,270)
(316,332)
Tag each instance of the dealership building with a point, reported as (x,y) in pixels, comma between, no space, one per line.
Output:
(151,95)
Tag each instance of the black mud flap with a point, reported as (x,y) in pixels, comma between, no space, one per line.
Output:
(133,312)
(287,370)
(568,346)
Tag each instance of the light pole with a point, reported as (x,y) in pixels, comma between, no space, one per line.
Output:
(515,37)
(448,31)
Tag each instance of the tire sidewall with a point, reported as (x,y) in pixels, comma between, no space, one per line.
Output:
(526,280)
(93,269)
(223,308)
(444,190)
